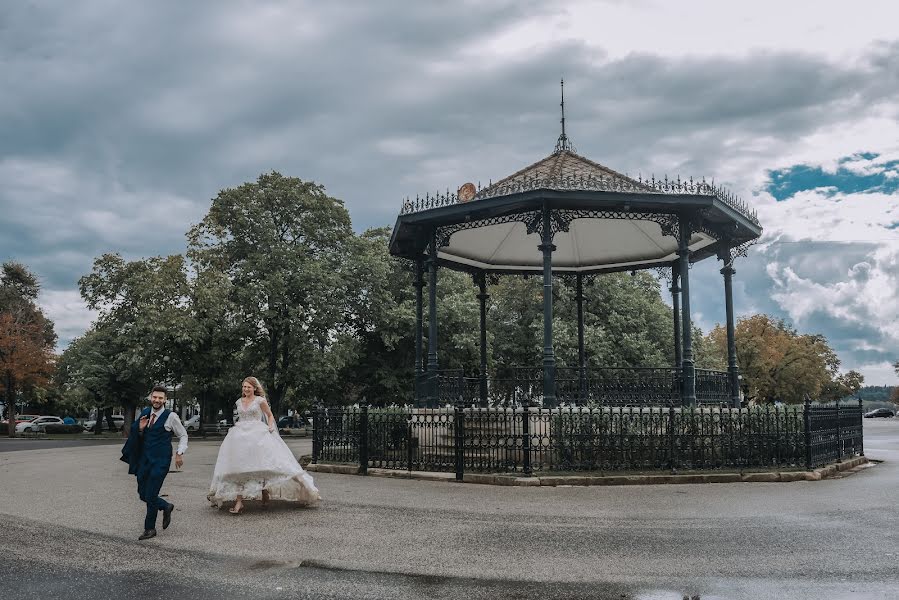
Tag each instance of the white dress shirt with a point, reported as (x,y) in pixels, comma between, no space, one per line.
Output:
(173,424)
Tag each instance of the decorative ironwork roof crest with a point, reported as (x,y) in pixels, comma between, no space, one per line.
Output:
(565,170)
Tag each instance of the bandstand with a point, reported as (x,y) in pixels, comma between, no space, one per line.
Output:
(567,216)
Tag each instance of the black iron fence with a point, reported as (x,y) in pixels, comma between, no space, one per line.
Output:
(525,439)
(832,432)
(712,387)
(517,386)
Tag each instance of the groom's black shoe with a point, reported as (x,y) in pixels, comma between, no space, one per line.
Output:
(147,534)
(167,515)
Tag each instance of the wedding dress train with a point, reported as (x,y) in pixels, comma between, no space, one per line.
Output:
(252,459)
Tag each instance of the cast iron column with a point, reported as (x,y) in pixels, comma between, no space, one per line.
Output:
(688,371)
(419,329)
(732,369)
(482,297)
(549,357)
(675,303)
(581,355)
(433,396)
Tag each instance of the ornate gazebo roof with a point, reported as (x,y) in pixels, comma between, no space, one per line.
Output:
(566,214)
(603,221)
(557,168)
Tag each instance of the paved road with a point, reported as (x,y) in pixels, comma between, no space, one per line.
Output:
(15,444)
(105,567)
(386,538)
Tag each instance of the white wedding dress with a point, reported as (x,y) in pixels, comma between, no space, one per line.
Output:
(252,459)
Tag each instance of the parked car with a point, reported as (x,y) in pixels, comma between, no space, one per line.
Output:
(36,425)
(193,423)
(119,421)
(287,422)
(879,412)
(23,418)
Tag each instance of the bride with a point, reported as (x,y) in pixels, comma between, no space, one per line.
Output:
(254,462)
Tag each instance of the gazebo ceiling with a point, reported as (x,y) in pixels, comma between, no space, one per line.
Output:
(588,244)
(602,220)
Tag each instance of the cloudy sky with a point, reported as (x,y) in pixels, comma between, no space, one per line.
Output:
(119,121)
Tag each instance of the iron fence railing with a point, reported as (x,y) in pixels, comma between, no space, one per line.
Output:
(508,386)
(525,439)
(833,433)
(712,387)
(618,386)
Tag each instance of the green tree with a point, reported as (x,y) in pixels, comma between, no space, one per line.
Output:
(144,318)
(211,361)
(376,360)
(843,385)
(284,245)
(377,356)
(626,323)
(101,370)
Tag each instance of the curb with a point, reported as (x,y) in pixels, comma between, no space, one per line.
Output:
(591,480)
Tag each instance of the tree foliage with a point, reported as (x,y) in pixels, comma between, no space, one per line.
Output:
(284,244)
(26,338)
(778,363)
(143,326)
(626,323)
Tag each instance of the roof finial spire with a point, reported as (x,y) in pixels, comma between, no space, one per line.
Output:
(563,144)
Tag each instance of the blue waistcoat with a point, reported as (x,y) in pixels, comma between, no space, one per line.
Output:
(149,454)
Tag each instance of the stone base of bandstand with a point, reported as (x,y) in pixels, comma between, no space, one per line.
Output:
(489,441)
(846,467)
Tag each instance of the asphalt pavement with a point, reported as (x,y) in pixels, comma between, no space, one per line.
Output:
(73,517)
(8,444)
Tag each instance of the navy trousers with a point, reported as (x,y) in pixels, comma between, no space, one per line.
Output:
(148,489)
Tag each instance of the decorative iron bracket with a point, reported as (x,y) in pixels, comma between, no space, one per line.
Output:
(445,233)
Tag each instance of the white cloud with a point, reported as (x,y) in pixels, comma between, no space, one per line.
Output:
(69,314)
(401,146)
(805,245)
(120,125)
(878,373)
(704,27)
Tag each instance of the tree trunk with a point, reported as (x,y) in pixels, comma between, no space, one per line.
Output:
(10,405)
(129,418)
(109,422)
(273,395)
(98,423)
(228,410)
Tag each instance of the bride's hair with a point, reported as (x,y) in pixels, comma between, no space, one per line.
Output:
(257,387)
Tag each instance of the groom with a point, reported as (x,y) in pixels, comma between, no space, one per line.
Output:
(148,453)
